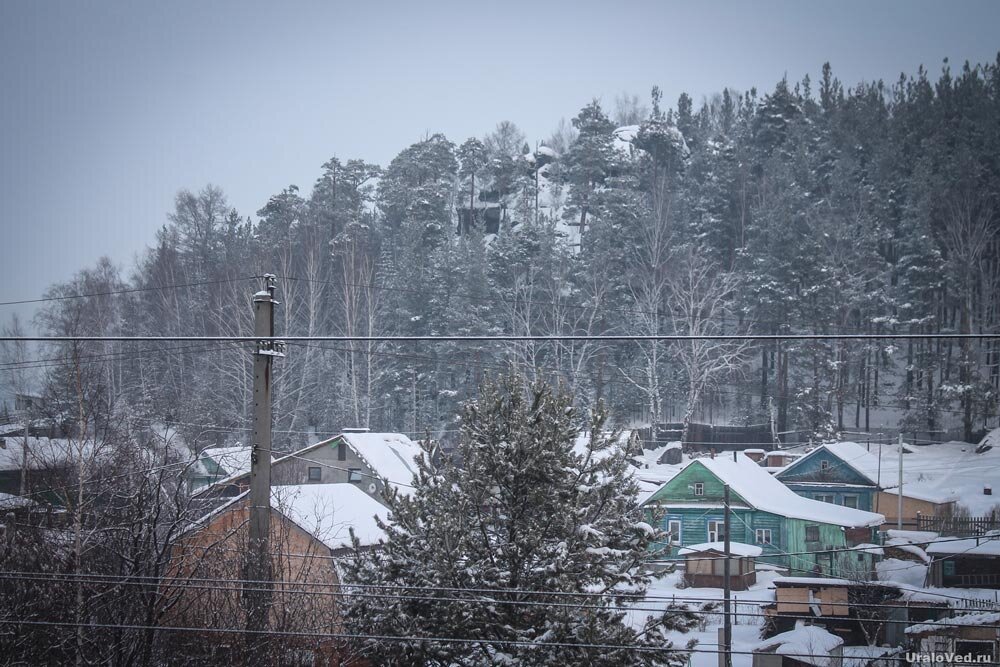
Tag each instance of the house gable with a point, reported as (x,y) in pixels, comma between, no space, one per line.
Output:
(825,467)
(683,489)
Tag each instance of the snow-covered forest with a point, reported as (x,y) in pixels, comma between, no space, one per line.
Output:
(817,206)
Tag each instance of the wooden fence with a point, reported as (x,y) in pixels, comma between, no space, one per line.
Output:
(958,526)
(710,436)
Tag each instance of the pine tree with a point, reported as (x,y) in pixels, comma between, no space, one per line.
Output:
(590,159)
(522,534)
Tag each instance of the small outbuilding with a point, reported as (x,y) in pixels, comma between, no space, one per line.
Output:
(973,636)
(969,563)
(806,645)
(704,565)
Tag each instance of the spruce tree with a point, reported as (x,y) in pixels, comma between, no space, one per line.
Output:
(523,553)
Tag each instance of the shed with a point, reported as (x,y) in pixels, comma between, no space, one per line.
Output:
(704,565)
(805,645)
(975,634)
(857,612)
(968,563)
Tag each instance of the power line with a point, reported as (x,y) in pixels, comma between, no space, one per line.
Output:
(123,355)
(131,290)
(652,338)
(410,638)
(296,588)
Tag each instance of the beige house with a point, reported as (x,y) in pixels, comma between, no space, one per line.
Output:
(310,528)
(366,460)
(917,502)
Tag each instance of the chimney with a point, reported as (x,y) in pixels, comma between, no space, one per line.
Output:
(987,490)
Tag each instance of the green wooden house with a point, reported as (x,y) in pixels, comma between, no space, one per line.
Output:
(806,536)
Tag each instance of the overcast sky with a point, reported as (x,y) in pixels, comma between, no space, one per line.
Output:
(108,108)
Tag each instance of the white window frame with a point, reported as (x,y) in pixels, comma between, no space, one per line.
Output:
(719,530)
(826,498)
(765,533)
(857,500)
(699,488)
(824,465)
(675,538)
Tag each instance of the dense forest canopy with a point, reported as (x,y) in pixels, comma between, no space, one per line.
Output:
(814,207)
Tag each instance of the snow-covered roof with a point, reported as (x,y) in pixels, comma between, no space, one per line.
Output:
(987,545)
(810,644)
(391,455)
(884,474)
(329,511)
(232,460)
(854,456)
(906,545)
(12,502)
(984,618)
(912,536)
(326,511)
(44,452)
(735,548)
(762,491)
(812,581)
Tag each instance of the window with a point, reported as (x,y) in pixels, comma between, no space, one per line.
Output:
(824,465)
(341,451)
(315,474)
(763,535)
(699,488)
(716,531)
(851,501)
(354,475)
(674,530)
(980,650)
(812,533)
(825,497)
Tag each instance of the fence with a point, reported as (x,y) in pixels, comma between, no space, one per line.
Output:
(976,604)
(710,436)
(958,526)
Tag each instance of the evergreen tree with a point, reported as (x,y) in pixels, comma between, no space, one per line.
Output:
(589,160)
(535,536)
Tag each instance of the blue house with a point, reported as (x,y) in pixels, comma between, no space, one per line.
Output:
(841,473)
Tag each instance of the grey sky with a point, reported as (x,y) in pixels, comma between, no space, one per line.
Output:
(108,108)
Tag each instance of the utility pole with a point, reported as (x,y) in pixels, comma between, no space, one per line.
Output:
(899,489)
(727,628)
(257,564)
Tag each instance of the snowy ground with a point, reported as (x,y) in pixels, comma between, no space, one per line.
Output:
(746,621)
